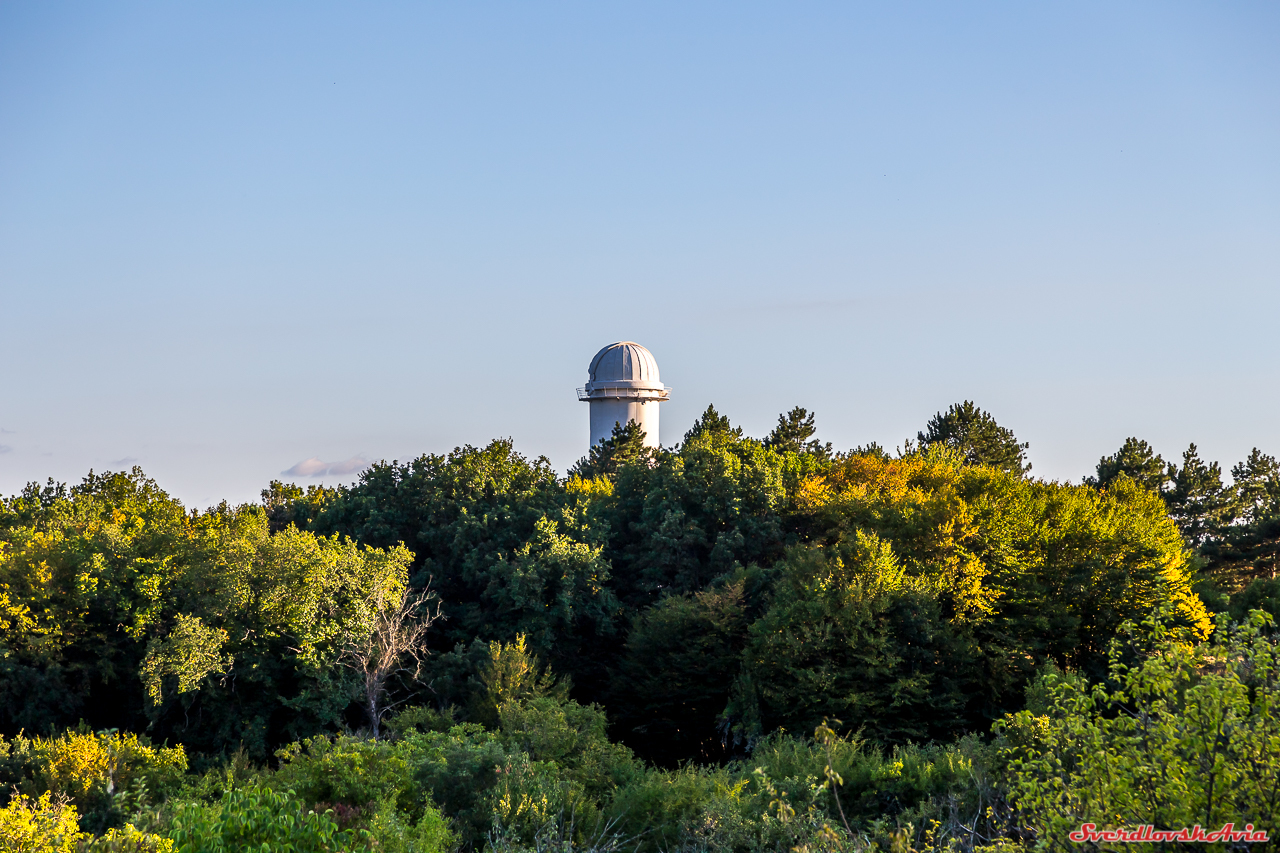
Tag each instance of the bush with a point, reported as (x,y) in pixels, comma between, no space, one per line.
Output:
(369,785)
(45,824)
(391,832)
(127,840)
(658,806)
(459,768)
(105,775)
(571,735)
(255,817)
(1183,735)
(354,772)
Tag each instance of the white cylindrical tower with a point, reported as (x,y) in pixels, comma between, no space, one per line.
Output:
(622,385)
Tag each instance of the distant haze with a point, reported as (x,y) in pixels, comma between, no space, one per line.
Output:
(244,239)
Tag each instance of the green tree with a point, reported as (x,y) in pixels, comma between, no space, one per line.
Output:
(508,549)
(700,513)
(851,635)
(976,434)
(625,446)
(287,504)
(712,423)
(794,433)
(84,573)
(1139,462)
(673,678)
(123,609)
(1249,549)
(1198,501)
(1034,571)
(1257,481)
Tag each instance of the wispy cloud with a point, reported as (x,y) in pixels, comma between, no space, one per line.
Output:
(4,448)
(354,465)
(316,467)
(128,460)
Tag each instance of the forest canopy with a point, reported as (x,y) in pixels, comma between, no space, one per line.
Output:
(686,604)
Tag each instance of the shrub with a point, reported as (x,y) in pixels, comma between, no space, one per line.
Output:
(1183,735)
(105,774)
(46,824)
(255,817)
(127,840)
(391,832)
(573,736)
(459,768)
(79,764)
(355,772)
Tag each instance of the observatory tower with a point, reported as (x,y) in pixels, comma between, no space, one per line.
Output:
(622,386)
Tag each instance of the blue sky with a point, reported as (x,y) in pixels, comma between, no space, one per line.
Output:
(238,236)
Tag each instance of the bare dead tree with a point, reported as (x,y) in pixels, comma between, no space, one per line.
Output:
(395,646)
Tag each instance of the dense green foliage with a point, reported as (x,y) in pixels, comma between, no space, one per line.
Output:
(1197,739)
(202,678)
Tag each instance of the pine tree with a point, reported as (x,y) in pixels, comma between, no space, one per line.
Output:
(712,422)
(794,433)
(976,434)
(1139,462)
(625,445)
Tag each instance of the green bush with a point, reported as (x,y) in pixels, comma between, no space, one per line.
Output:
(459,769)
(658,806)
(571,735)
(354,772)
(255,817)
(1181,735)
(369,785)
(391,832)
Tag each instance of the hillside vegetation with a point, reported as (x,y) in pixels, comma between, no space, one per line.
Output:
(735,644)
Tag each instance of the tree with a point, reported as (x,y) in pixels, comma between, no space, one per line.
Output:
(794,433)
(1250,548)
(624,446)
(711,423)
(702,512)
(1035,571)
(674,676)
(287,503)
(396,645)
(851,634)
(976,434)
(1257,482)
(1136,460)
(1198,501)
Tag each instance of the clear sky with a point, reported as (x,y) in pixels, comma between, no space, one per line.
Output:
(238,236)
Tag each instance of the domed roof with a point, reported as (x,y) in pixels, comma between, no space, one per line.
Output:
(625,361)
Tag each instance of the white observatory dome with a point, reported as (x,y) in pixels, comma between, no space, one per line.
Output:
(623,385)
(625,361)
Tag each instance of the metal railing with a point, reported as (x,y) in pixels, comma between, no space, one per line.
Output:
(624,394)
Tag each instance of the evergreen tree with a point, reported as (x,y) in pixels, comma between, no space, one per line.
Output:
(1139,462)
(624,446)
(794,433)
(712,422)
(1198,501)
(1250,548)
(1257,483)
(976,434)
